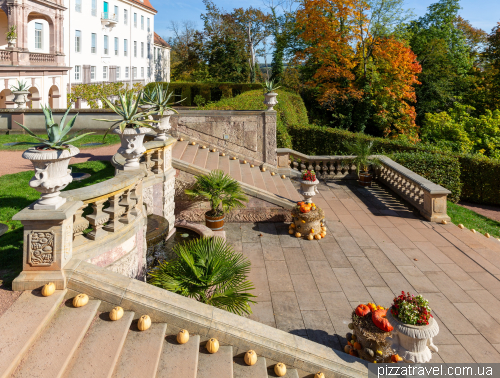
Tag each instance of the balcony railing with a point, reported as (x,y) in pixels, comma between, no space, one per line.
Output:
(109,17)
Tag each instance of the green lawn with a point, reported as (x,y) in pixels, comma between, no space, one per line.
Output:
(471,219)
(16,194)
(93,138)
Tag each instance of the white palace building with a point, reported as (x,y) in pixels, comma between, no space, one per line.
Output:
(62,43)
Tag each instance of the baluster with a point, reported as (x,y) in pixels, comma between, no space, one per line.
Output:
(80,224)
(149,163)
(317,168)
(158,161)
(302,166)
(97,219)
(115,211)
(137,198)
(295,165)
(128,203)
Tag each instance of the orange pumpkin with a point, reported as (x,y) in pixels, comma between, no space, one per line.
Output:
(357,345)
(380,320)
(362,310)
(396,358)
(353,352)
(305,208)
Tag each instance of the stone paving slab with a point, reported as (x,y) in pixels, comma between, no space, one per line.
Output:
(375,248)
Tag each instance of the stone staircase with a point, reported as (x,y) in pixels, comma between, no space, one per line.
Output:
(48,337)
(193,153)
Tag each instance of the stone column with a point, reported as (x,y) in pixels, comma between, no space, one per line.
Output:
(168,183)
(48,246)
(270,144)
(435,206)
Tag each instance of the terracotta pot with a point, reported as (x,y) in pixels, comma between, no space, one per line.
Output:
(413,342)
(365,179)
(214,223)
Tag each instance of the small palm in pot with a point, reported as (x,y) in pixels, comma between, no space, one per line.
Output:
(363,151)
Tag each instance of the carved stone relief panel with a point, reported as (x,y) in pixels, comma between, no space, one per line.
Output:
(41,247)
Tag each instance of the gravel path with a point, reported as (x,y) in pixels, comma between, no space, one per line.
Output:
(12,161)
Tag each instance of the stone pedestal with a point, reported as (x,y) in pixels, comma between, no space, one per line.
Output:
(308,223)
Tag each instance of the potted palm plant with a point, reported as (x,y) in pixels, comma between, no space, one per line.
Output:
(158,99)
(269,94)
(11,36)
(50,158)
(363,150)
(21,93)
(224,194)
(210,271)
(131,127)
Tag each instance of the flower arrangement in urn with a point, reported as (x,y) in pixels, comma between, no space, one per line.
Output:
(411,309)
(308,175)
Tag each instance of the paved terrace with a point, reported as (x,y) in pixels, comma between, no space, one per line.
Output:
(375,248)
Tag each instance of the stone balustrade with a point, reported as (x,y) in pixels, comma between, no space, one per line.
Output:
(429,198)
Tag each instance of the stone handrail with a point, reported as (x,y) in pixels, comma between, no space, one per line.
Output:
(41,57)
(424,195)
(4,55)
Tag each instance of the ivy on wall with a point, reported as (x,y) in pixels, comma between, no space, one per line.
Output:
(93,93)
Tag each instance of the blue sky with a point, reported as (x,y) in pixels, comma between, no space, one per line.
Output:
(481,13)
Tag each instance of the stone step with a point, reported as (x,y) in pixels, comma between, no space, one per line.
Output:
(51,353)
(212,161)
(269,181)
(292,191)
(141,353)
(178,149)
(179,360)
(201,157)
(224,164)
(290,373)
(280,186)
(217,365)
(246,174)
(21,325)
(190,153)
(242,370)
(257,178)
(100,350)
(234,169)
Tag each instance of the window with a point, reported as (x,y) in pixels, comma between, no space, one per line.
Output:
(93,47)
(134,72)
(78,6)
(125,17)
(142,22)
(94,8)
(142,71)
(126,72)
(142,49)
(78,40)
(116,45)
(117,72)
(105,73)
(135,49)
(149,72)
(135,20)
(92,72)
(106,45)
(149,50)
(115,15)
(125,47)
(38,36)
(156,53)
(149,26)
(77,73)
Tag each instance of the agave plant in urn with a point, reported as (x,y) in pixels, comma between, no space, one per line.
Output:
(270,95)
(50,158)
(131,127)
(20,92)
(159,99)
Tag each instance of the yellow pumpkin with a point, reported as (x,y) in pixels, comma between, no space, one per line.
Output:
(223,154)
(298,235)
(193,143)
(280,369)
(444,222)
(234,157)
(291,231)
(251,165)
(323,234)
(144,323)
(487,235)
(323,228)
(263,169)
(461,226)
(473,231)
(310,237)
(317,236)
(283,177)
(212,345)
(319,375)
(203,147)
(244,161)
(250,358)
(292,225)
(183,336)
(80,300)
(116,313)
(181,139)
(48,289)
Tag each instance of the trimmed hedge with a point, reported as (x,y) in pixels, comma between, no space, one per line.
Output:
(481,179)
(209,91)
(443,170)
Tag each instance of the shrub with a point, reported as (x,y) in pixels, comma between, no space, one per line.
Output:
(443,170)
(480,176)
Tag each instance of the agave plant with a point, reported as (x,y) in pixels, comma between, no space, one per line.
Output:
(56,132)
(11,33)
(223,192)
(127,108)
(362,149)
(159,99)
(21,86)
(209,270)
(269,86)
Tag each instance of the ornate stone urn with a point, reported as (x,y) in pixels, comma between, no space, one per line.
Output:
(21,98)
(270,100)
(309,189)
(11,42)
(51,175)
(413,342)
(132,146)
(163,125)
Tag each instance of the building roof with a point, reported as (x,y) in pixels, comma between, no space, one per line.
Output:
(160,41)
(144,3)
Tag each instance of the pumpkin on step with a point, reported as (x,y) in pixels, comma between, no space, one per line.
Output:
(48,289)
(183,336)
(250,358)
(144,323)
(362,310)
(380,320)
(280,369)
(319,375)
(116,313)
(80,300)
(212,345)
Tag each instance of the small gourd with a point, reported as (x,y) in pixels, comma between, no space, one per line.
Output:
(353,352)
(347,348)
(310,237)
(487,235)
(323,234)
(80,300)
(283,177)
(312,231)
(298,234)
(357,346)
(319,375)
(444,222)
(396,358)
(251,165)
(291,231)
(350,326)
(292,225)
(272,173)
(181,139)
(203,147)
(223,154)
(116,313)
(348,336)
(48,289)
(263,169)
(280,369)
(244,161)
(183,336)
(317,236)
(144,323)
(379,352)
(473,231)
(369,352)
(234,157)
(354,338)
(250,358)
(212,345)
(213,150)
(193,143)
(323,228)
(461,226)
